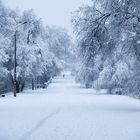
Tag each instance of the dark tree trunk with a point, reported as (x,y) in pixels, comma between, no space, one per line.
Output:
(18,87)
(33,86)
(28,37)
(37,82)
(22,86)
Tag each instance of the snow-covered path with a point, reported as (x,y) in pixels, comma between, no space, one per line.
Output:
(65,111)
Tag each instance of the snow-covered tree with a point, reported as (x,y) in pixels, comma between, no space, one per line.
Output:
(109,29)
(41,52)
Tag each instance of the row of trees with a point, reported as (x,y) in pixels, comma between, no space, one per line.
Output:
(41,50)
(108,42)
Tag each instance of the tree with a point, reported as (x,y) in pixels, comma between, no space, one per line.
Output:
(109,31)
(41,51)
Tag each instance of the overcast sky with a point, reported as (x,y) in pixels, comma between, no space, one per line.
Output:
(53,12)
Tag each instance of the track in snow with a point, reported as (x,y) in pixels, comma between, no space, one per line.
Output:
(65,111)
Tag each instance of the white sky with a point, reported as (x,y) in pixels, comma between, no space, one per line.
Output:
(52,12)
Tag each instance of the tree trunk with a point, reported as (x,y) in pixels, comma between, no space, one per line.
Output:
(33,86)
(22,86)
(17,87)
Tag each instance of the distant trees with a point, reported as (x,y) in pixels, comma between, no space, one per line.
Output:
(109,45)
(59,42)
(40,49)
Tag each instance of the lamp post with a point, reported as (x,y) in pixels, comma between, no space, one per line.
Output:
(15,60)
(15,63)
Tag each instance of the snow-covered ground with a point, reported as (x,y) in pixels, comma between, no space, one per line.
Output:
(65,111)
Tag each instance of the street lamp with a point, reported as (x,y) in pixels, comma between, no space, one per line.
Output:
(15,59)
(15,63)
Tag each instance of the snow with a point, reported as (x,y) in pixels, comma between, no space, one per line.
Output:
(138,42)
(65,111)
